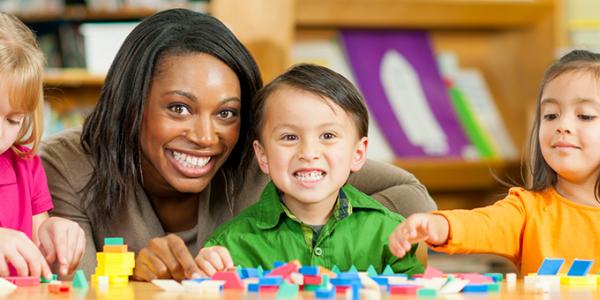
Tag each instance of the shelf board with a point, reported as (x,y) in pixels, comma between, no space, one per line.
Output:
(72,78)
(480,14)
(79,13)
(460,175)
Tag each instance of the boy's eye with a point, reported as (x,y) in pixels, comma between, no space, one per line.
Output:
(289,137)
(328,135)
(549,117)
(180,109)
(586,117)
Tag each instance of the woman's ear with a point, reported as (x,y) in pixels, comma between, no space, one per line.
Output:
(360,154)
(261,156)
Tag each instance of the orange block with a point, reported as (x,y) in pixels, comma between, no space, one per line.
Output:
(115,248)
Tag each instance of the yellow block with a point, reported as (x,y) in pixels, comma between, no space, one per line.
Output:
(111,278)
(590,280)
(114,271)
(116,259)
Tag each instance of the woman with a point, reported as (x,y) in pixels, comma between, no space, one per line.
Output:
(164,157)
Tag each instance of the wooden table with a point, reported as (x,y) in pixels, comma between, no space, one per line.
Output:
(147,291)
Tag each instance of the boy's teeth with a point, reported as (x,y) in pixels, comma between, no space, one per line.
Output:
(309,176)
(190,161)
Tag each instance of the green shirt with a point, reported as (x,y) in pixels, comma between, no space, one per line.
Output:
(355,234)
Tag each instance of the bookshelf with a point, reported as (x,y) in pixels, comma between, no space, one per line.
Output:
(510,41)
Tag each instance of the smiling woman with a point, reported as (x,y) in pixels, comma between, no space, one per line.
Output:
(165,156)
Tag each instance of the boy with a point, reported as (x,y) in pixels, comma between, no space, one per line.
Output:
(310,132)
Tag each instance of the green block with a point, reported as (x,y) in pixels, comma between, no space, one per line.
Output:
(287,290)
(54,276)
(426,292)
(336,270)
(113,241)
(353,269)
(79,280)
(324,281)
(44,280)
(493,287)
(388,271)
(310,287)
(371,271)
(260,270)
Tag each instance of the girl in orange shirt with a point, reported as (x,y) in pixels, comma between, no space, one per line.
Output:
(562,196)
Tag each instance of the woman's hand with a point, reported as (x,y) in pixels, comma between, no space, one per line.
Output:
(213,259)
(430,228)
(165,258)
(63,240)
(18,250)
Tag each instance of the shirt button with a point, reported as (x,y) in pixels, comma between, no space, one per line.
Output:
(318,251)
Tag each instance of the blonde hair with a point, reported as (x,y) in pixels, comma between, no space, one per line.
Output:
(22,70)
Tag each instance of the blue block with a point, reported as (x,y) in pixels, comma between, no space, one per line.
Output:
(381,280)
(253,287)
(475,288)
(580,267)
(310,270)
(356,291)
(198,280)
(550,266)
(325,294)
(270,280)
(249,273)
(348,275)
(278,264)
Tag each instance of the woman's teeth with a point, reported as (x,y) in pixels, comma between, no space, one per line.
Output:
(191,161)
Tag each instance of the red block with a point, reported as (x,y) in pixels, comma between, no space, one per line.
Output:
(268,289)
(285,271)
(404,289)
(232,280)
(312,279)
(341,289)
(24,281)
(54,288)
(432,273)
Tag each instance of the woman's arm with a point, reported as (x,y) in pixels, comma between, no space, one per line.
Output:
(395,188)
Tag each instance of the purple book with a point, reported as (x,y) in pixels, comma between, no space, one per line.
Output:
(397,73)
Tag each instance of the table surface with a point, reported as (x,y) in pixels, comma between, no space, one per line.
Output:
(147,291)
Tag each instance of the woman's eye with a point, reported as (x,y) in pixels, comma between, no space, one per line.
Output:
(180,109)
(227,114)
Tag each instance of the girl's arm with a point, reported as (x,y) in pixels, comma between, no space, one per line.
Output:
(395,188)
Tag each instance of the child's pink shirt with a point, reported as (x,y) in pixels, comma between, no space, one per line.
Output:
(23,191)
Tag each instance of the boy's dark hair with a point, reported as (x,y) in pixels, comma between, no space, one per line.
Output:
(320,81)
(111,134)
(540,174)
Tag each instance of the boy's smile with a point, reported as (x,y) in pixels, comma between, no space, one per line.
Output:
(309,145)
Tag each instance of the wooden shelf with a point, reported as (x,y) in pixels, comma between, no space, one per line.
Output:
(440,175)
(72,78)
(428,14)
(80,13)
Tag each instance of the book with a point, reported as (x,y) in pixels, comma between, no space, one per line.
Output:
(397,72)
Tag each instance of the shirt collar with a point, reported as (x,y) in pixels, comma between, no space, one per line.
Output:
(272,209)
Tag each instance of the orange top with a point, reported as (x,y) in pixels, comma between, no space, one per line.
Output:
(527,227)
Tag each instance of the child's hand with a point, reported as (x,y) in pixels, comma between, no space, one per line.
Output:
(213,259)
(64,240)
(418,227)
(21,252)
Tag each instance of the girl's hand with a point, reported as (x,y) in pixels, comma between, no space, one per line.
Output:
(165,258)
(418,227)
(62,240)
(213,259)
(21,252)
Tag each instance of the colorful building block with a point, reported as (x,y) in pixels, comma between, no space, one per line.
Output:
(232,280)
(550,266)
(24,280)
(114,241)
(79,280)
(580,267)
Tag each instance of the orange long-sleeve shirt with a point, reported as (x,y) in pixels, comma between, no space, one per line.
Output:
(527,227)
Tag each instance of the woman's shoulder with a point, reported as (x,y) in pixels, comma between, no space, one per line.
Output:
(63,155)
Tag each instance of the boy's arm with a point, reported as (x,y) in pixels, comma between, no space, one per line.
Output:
(395,188)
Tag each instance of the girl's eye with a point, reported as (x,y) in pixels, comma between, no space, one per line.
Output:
(289,137)
(180,109)
(227,114)
(328,135)
(15,120)
(550,117)
(586,117)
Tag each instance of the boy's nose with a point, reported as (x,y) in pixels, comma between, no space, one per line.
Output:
(309,151)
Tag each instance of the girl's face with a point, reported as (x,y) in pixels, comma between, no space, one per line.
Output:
(10,119)
(191,122)
(570,126)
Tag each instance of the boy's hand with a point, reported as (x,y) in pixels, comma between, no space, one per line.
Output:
(21,252)
(165,258)
(62,240)
(418,227)
(213,259)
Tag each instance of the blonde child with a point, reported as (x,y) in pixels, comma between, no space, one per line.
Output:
(310,134)
(558,214)
(29,239)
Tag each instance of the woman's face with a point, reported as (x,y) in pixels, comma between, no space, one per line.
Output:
(191,122)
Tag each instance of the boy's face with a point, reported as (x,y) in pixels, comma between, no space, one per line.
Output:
(10,120)
(570,127)
(309,146)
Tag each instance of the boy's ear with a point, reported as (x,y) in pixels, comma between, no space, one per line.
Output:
(360,154)
(261,156)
